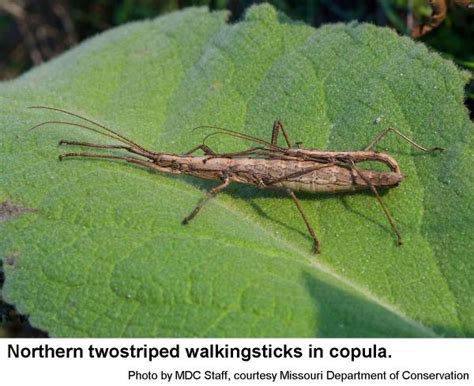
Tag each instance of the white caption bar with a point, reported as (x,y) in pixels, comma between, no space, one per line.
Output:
(238,361)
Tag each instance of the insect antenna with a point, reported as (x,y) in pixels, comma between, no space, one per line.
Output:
(80,126)
(233,133)
(117,137)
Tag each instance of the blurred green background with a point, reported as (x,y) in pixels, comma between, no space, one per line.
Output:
(34,31)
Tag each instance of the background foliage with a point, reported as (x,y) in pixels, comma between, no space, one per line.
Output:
(34,31)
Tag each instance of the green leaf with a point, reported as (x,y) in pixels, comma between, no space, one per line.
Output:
(99,247)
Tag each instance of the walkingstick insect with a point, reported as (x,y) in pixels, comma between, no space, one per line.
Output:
(268,165)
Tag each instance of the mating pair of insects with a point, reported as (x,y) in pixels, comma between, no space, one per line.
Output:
(267,165)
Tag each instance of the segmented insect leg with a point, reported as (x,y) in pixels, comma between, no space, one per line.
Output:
(206,149)
(379,199)
(211,193)
(98,146)
(277,126)
(132,160)
(248,152)
(384,132)
(316,246)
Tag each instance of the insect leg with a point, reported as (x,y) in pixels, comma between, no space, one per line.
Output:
(384,132)
(97,146)
(379,199)
(132,160)
(308,225)
(211,193)
(250,151)
(206,149)
(277,125)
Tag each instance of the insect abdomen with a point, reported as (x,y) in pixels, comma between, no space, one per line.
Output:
(337,179)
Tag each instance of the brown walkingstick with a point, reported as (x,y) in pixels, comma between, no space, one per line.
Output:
(268,165)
